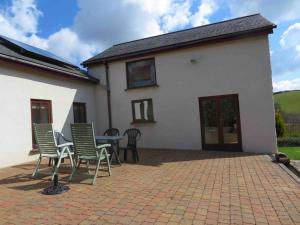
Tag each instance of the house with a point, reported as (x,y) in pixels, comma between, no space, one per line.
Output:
(205,88)
(38,87)
(208,87)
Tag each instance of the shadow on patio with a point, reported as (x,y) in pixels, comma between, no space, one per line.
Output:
(24,181)
(156,157)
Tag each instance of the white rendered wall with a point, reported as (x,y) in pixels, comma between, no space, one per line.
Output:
(233,67)
(19,84)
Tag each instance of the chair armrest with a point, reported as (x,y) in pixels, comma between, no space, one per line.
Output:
(65,144)
(103,146)
(103,149)
(65,148)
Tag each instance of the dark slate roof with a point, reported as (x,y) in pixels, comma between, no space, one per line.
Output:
(225,29)
(15,53)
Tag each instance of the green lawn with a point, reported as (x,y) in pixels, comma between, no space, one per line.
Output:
(288,101)
(292,152)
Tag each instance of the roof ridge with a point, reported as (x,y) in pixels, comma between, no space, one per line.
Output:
(192,28)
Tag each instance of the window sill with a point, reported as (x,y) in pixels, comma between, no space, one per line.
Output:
(143,122)
(147,86)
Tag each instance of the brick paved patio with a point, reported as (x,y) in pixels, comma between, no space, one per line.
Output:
(167,187)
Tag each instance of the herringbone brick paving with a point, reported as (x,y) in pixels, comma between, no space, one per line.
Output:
(166,187)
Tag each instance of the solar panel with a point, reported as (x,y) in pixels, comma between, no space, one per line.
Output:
(36,50)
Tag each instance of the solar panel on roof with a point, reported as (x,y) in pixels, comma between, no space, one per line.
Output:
(35,50)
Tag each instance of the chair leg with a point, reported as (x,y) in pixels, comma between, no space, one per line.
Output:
(112,152)
(37,166)
(73,166)
(88,166)
(96,172)
(137,155)
(125,154)
(108,164)
(73,172)
(79,163)
(50,161)
(133,155)
(117,156)
(118,147)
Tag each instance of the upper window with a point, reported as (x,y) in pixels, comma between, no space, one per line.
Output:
(41,112)
(79,111)
(141,73)
(142,110)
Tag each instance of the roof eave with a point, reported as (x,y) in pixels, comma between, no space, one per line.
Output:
(40,66)
(265,30)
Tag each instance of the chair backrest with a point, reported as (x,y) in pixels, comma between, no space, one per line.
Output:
(60,138)
(133,135)
(44,137)
(84,139)
(112,132)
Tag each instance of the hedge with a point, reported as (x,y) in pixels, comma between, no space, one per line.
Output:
(288,142)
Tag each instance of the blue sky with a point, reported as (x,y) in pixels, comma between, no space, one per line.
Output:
(79,29)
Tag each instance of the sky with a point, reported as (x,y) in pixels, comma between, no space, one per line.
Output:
(79,29)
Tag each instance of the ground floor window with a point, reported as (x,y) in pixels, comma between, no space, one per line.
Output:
(41,112)
(79,112)
(142,110)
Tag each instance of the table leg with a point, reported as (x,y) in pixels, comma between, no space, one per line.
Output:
(116,151)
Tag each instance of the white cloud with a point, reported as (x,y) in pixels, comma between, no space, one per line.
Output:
(115,21)
(205,10)
(24,15)
(124,20)
(66,44)
(286,59)
(154,7)
(20,21)
(8,29)
(291,37)
(178,17)
(98,26)
(93,30)
(285,85)
(298,51)
(275,10)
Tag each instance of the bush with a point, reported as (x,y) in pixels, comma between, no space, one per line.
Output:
(288,142)
(280,125)
(277,107)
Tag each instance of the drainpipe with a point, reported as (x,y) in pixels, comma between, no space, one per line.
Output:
(108,94)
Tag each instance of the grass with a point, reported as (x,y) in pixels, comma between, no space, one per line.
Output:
(292,152)
(288,101)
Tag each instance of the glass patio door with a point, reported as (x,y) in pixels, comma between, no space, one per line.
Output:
(220,123)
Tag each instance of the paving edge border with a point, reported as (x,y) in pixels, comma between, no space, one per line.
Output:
(287,170)
(294,176)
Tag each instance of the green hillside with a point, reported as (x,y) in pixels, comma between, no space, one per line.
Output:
(289,101)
